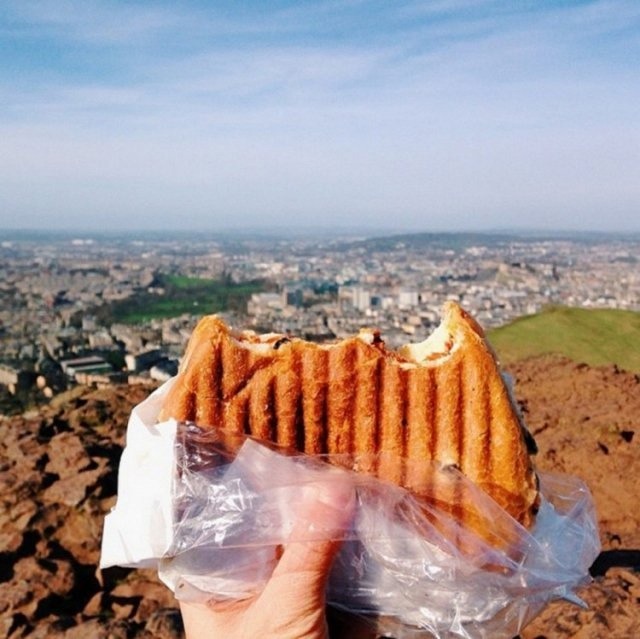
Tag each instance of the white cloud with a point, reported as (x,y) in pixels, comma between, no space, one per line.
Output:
(94,21)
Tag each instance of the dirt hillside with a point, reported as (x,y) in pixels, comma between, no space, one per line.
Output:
(58,478)
(58,470)
(586,422)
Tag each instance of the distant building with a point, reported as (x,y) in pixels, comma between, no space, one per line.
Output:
(408,298)
(51,375)
(16,378)
(293,297)
(164,370)
(143,361)
(172,334)
(100,379)
(260,303)
(101,339)
(361,298)
(90,364)
(128,336)
(89,323)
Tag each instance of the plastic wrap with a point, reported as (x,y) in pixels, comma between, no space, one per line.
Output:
(215,528)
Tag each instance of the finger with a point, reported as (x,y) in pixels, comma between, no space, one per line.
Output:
(200,622)
(214,618)
(321,523)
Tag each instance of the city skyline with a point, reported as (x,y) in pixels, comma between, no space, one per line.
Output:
(443,115)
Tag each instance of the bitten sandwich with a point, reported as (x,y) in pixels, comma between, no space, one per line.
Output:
(396,414)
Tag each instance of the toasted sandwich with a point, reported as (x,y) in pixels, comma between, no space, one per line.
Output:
(438,404)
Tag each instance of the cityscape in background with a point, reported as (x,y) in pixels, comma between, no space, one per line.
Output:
(98,309)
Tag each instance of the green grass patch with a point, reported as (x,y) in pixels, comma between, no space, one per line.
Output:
(594,336)
(182,295)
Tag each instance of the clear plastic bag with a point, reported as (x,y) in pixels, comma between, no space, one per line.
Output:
(405,565)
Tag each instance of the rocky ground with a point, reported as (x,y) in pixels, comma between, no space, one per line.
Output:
(58,470)
(58,478)
(586,422)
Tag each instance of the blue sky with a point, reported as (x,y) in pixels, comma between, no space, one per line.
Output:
(433,115)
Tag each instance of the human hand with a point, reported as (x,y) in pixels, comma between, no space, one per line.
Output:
(292,604)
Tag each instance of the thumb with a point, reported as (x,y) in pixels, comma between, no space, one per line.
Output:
(322,521)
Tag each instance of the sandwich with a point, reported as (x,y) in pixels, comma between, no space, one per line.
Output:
(406,416)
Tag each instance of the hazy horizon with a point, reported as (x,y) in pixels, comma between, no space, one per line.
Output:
(306,233)
(439,115)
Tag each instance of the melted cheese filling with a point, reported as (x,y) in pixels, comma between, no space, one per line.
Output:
(438,345)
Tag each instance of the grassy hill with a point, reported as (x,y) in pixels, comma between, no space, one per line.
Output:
(595,336)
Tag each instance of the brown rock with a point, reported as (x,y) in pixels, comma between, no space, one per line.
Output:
(145,585)
(95,629)
(95,605)
(21,485)
(125,589)
(149,593)
(9,477)
(148,606)
(613,612)
(71,490)
(45,576)
(30,448)
(6,622)
(62,579)
(22,513)
(80,535)
(10,539)
(31,570)
(19,626)
(19,595)
(47,630)
(108,503)
(123,610)
(165,623)
(67,455)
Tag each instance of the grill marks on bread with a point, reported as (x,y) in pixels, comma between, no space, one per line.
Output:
(342,376)
(366,408)
(315,372)
(420,427)
(287,393)
(392,427)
